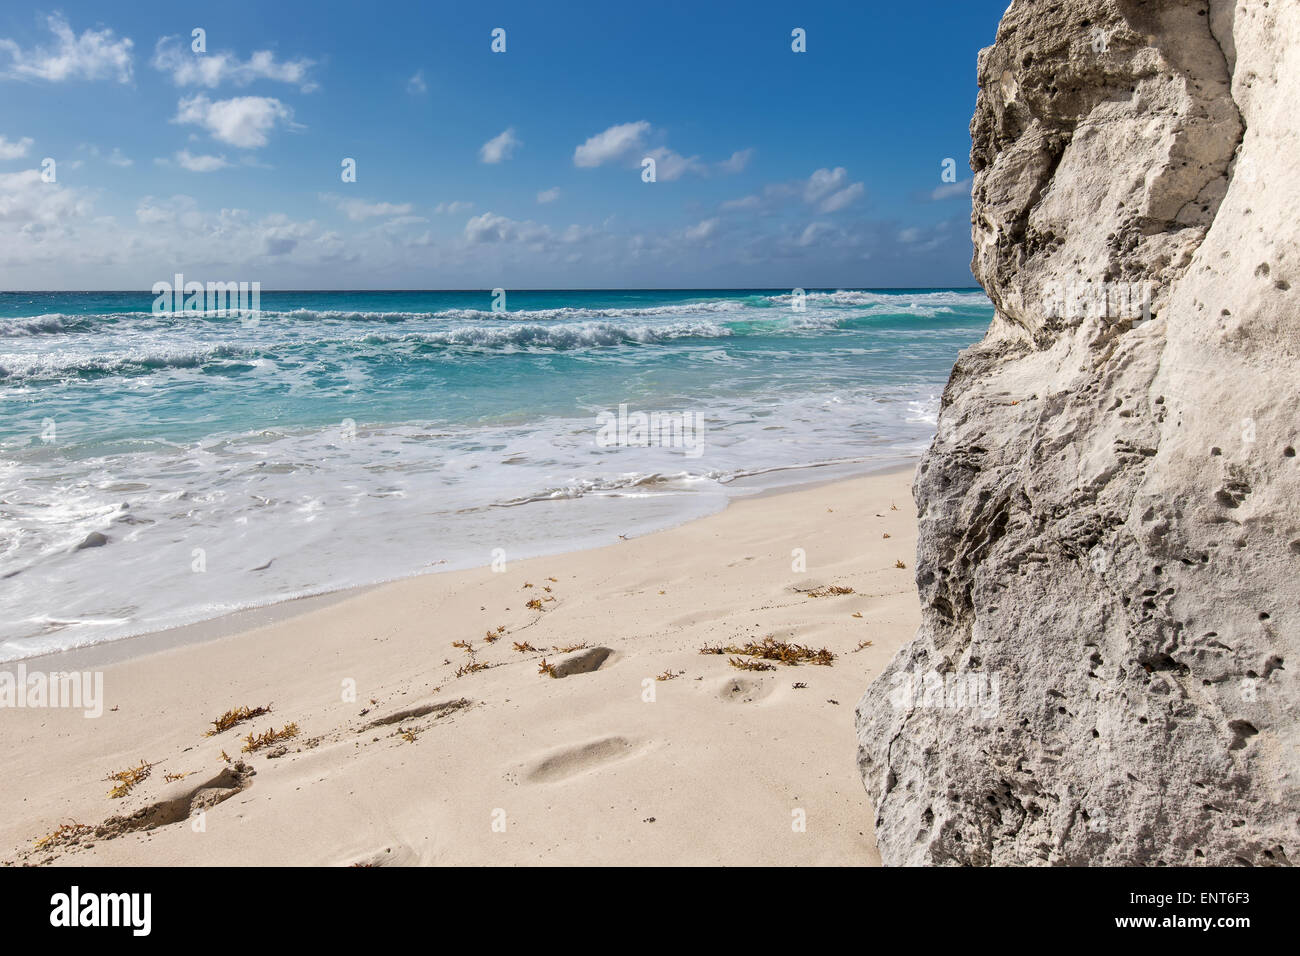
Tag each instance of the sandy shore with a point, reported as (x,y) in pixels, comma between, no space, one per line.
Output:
(505,765)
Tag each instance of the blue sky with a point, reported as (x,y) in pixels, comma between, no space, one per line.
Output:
(477,169)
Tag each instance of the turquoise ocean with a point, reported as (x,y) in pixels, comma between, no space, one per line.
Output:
(220,462)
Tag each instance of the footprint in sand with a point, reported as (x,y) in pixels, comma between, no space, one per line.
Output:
(583,662)
(440,709)
(579,758)
(742,690)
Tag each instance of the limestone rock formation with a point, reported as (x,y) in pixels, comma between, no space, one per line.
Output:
(1109,555)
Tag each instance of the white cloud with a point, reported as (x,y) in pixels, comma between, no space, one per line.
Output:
(951,190)
(920,239)
(670,166)
(614,144)
(172,55)
(815,229)
(827,189)
(737,162)
(490,227)
(703,230)
(30,201)
(627,143)
(178,210)
(499,147)
(199,164)
(824,181)
(96,54)
(16,150)
(117,158)
(416,83)
(549,195)
(842,198)
(360,209)
(243,121)
(451,208)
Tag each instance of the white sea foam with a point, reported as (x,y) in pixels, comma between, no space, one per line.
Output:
(195,443)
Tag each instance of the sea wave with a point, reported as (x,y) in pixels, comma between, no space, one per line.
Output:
(36,325)
(54,323)
(64,365)
(59,322)
(586,335)
(16,367)
(891,300)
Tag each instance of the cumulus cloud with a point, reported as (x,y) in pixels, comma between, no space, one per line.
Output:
(94,55)
(198,164)
(628,143)
(614,144)
(549,195)
(670,166)
(824,181)
(499,147)
(829,190)
(813,232)
(416,84)
(16,150)
(842,198)
(174,56)
(737,161)
(243,121)
(489,227)
(360,209)
(951,190)
(28,200)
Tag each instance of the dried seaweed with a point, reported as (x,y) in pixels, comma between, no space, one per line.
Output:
(235,717)
(831,590)
(254,743)
(64,834)
(127,779)
(773,650)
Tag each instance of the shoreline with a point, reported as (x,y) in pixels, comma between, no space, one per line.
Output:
(720,765)
(274,611)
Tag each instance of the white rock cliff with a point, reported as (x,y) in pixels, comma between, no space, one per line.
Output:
(1109,556)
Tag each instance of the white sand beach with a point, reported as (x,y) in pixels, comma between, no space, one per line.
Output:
(661,755)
